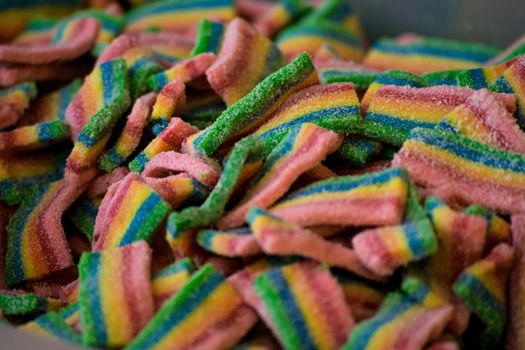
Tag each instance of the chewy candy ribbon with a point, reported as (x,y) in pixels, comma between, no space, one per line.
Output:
(170,280)
(208,38)
(355,151)
(278,16)
(33,137)
(13,302)
(53,326)
(170,100)
(14,101)
(232,243)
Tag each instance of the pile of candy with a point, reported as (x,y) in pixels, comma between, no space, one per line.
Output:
(219,174)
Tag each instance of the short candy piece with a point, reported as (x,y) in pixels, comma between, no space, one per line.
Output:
(130,135)
(14,302)
(232,243)
(53,326)
(33,137)
(209,37)
(483,77)
(254,109)
(304,306)
(364,200)
(355,151)
(462,169)
(207,313)
(14,101)
(170,280)
(115,295)
(246,57)
(303,148)
(384,249)
(279,16)
(170,101)
(483,287)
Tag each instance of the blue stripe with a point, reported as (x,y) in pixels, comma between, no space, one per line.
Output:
(413,81)
(325,32)
(397,122)
(474,288)
(502,85)
(44,132)
(59,34)
(139,162)
(108,75)
(91,307)
(113,157)
(217,31)
(181,265)
(145,210)
(416,233)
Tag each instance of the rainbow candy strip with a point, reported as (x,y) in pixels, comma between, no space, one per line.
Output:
(53,326)
(337,11)
(246,57)
(384,249)
(442,77)
(26,304)
(20,172)
(136,213)
(170,280)
(110,28)
(71,314)
(115,294)
(17,98)
(427,54)
(38,30)
(482,287)
(498,229)
(178,15)
(337,73)
(207,301)
(332,106)
(31,251)
(483,77)
(355,151)
(279,16)
(304,306)
(513,81)
(98,105)
(465,169)
(33,137)
(53,105)
(254,108)
(83,214)
(169,100)
(179,190)
(169,139)
(209,37)
(65,30)
(382,195)
(233,243)
(141,64)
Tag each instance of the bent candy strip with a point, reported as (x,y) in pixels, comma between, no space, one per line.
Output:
(515,338)
(483,77)
(482,287)
(355,151)
(110,26)
(462,169)
(278,237)
(427,54)
(184,71)
(513,81)
(14,101)
(498,229)
(400,324)
(332,106)
(384,249)
(170,139)
(303,148)
(170,280)
(130,135)
(135,213)
(304,306)
(102,98)
(141,65)
(209,37)
(207,313)
(13,302)
(246,57)
(53,326)
(364,200)
(33,137)
(115,295)
(254,109)
(233,243)
(170,100)
(395,110)
(483,118)
(178,16)
(72,39)
(279,16)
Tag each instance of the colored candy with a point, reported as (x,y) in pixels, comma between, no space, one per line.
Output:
(170,280)
(53,326)
(209,37)
(443,77)
(14,101)
(33,137)
(21,303)
(513,81)
(170,100)
(355,151)
(498,229)
(233,243)
(483,77)
(83,214)
(281,14)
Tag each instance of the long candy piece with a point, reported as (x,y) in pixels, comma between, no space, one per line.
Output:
(33,137)
(286,11)
(483,77)
(170,280)
(14,101)
(233,243)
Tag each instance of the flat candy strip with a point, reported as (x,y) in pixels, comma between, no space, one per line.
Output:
(170,280)
(279,16)
(513,81)
(13,302)
(332,106)
(115,295)
(255,108)
(208,38)
(483,77)
(170,139)
(345,200)
(33,137)
(246,57)
(207,313)
(465,170)
(14,101)
(303,148)
(130,135)
(232,243)
(170,100)
(304,306)
(53,326)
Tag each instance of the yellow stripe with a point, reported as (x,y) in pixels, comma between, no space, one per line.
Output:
(180,19)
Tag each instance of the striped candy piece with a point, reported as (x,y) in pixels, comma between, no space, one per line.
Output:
(513,81)
(130,135)
(332,106)
(167,48)
(498,229)
(207,313)
(177,15)
(304,306)
(170,139)
(303,148)
(483,77)
(71,314)
(395,110)
(355,151)
(459,168)
(38,31)
(110,27)
(33,137)
(255,108)
(170,101)
(232,243)
(133,212)
(364,200)
(483,288)
(443,77)
(115,295)
(14,101)
(279,237)
(337,11)
(517,48)
(483,118)
(168,281)
(142,65)
(279,16)
(20,303)
(382,250)
(209,37)
(83,214)
(246,57)
(423,55)
(203,108)
(53,326)
(179,190)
